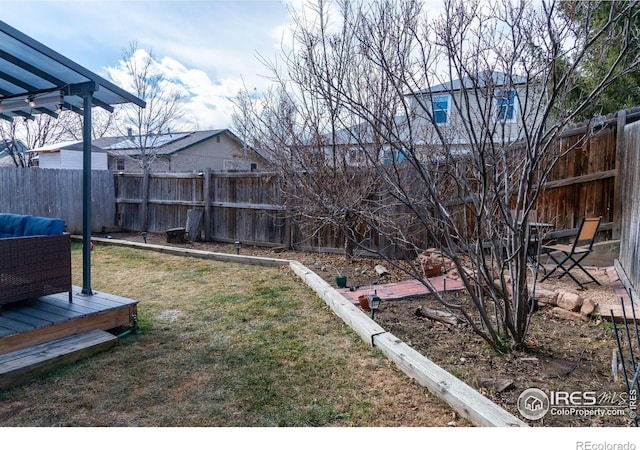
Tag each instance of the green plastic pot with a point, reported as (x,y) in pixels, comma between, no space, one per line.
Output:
(341,282)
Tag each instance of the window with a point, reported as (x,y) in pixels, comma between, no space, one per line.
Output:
(440,108)
(440,105)
(506,105)
(120,164)
(392,156)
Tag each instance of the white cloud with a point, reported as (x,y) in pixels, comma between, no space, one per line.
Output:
(207,47)
(208,106)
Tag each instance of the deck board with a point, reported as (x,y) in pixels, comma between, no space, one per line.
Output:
(27,319)
(6,332)
(43,314)
(62,311)
(14,325)
(76,306)
(99,301)
(96,301)
(19,366)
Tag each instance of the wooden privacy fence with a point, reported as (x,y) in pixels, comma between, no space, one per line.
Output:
(246,207)
(583,182)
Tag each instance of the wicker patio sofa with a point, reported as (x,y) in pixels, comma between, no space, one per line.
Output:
(35,258)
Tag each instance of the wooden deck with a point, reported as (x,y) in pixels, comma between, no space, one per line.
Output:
(32,322)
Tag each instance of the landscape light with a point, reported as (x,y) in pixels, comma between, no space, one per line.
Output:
(374,303)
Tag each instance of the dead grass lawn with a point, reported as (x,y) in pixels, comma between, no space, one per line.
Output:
(222,345)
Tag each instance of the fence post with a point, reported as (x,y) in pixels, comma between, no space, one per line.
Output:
(144,206)
(208,220)
(620,152)
(288,238)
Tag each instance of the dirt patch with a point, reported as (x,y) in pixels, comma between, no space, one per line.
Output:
(561,354)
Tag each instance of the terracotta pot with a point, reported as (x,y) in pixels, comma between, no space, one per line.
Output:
(432,270)
(364,303)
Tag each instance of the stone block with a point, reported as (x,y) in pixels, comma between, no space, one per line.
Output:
(570,301)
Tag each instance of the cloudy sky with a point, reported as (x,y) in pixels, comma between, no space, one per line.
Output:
(212,45)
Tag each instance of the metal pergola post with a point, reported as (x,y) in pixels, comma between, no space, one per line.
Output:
(86,194)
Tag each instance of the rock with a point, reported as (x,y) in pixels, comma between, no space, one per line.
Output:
(531,359)
(570,301)
(381,270)
(569,315)
(496,384)
(546,296)
(588,307)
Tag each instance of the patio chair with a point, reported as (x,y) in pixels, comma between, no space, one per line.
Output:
(571,255)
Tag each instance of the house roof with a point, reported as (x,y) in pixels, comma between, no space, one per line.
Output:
(482,78)
(30,70)
(6,161)
(362,133)
(165,144)
(69,145)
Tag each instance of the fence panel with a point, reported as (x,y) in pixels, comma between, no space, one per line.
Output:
(58,193)
(248,207)
(582,183)
(129,201)
(170,196)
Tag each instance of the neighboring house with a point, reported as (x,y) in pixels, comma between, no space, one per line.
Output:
(218,150)
(360,146)
(491,102)
(68,155)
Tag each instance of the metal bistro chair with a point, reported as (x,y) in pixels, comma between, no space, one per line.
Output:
(573,254)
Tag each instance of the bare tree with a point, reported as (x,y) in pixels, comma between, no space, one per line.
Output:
(103,123)
(378,72)
(327,185)
(12,144)
(142,75)
(37,132)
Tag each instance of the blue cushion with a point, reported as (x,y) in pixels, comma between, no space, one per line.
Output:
(12,225)
(43,225)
